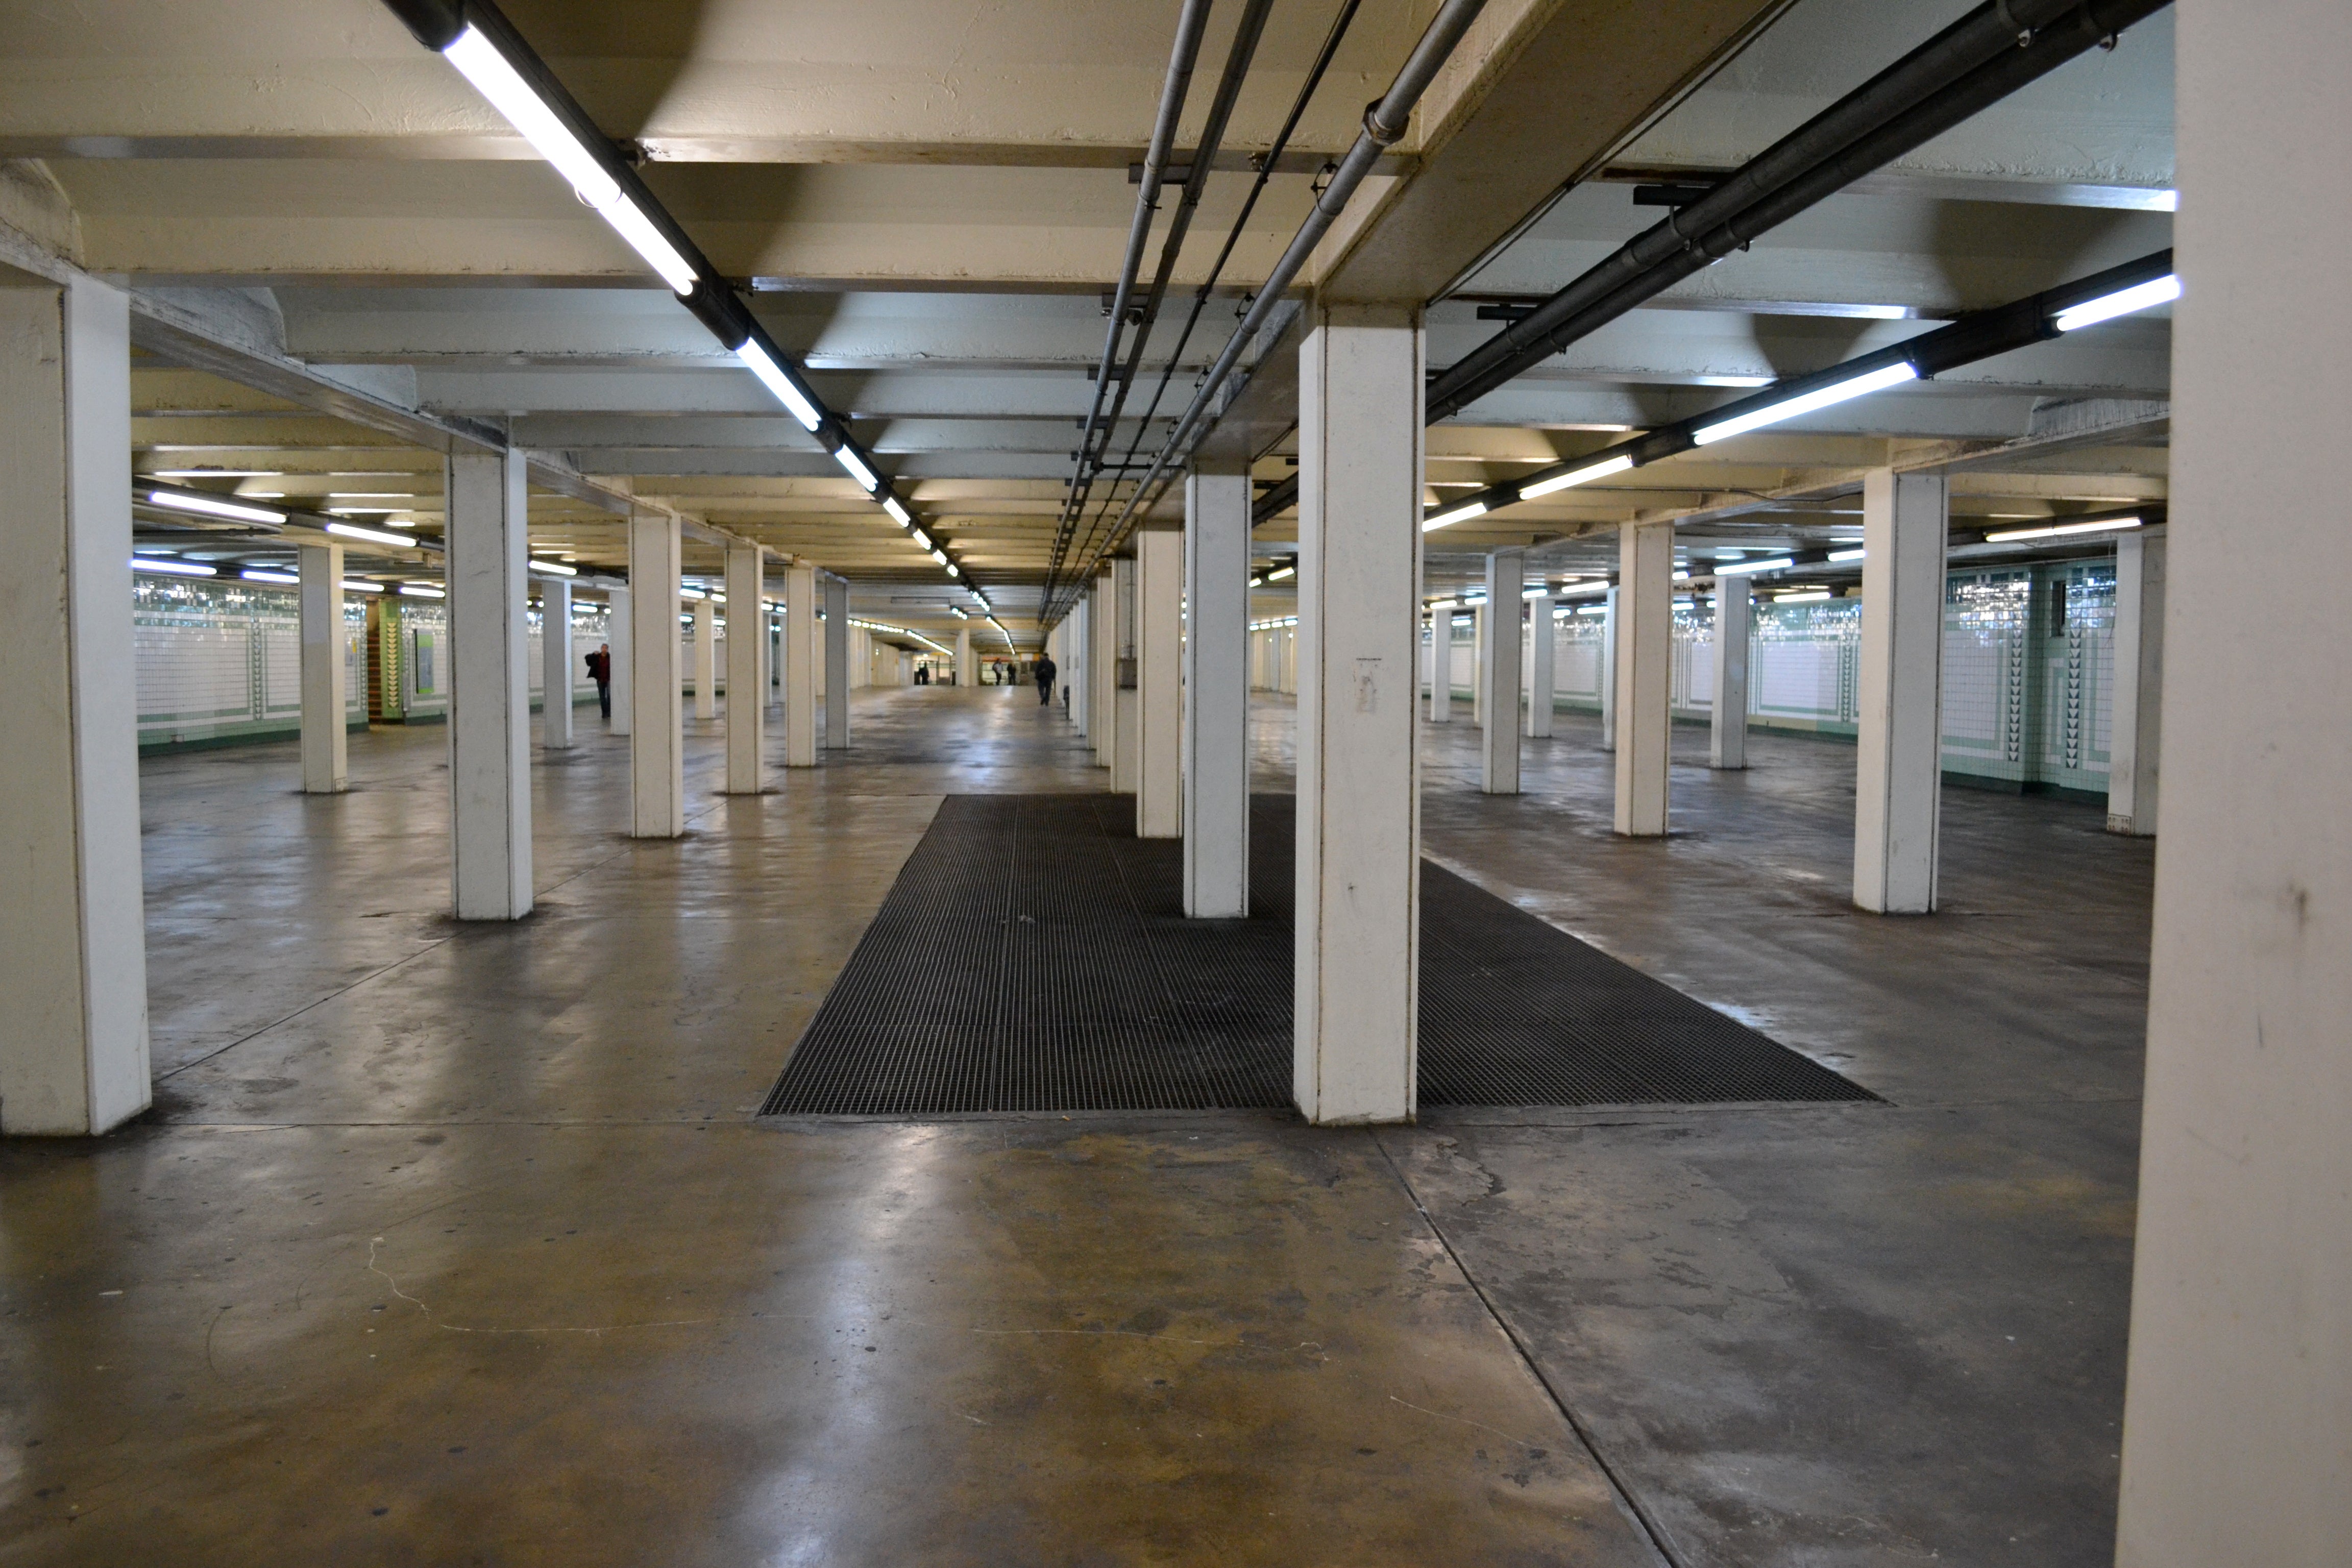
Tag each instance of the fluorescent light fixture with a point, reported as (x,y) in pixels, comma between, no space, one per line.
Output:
(495,79)
(2101,525)
(1853,554)
(555,568)
(686,592)
(1744,568)
(1462,513)
(422,591)
(757,361)
(261,574)
(1537,594)
(923,541)
(1806,402)
(1581,590)
(217,474)
(2122,302)
(173,568)
(360,585)
(941,556)
(371,495)
(951,569)
(1682,574)
(1440,606)
(1806,596)
(1600,470)
(890,504)
(373,535)
(210,506)
(958,613)
(1279,573)
(854,467)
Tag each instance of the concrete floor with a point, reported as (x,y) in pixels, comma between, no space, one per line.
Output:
(458,1244)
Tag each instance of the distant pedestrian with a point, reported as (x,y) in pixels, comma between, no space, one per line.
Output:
(600,670)
(1046,671)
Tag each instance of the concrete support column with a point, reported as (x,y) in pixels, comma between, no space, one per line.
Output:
(837,677)
(1356,919)
(2136,734)
(1159,683)
(747,765)
(1899,746)
(1643,674)
(1543,665)
(1217,692)
(1481,618)
(705,659)
(1735,625)
(803,648)
(1609,669)
(73,942)
(657,742)
(618,631)
(1441,666)
(1498,673)
(326,721)
(490,685)
(2238,1403)
(1077,663)
(966,669)
(555,665)
(1102,623)
(1126,718)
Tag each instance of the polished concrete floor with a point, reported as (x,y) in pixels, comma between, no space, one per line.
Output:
(459,1244)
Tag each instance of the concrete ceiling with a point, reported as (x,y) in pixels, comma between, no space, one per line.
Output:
(930,197)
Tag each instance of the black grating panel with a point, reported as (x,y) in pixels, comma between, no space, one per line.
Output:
(1034,956)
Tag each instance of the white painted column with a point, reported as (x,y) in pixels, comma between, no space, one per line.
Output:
(1216,691)
(804,649)
(1126,703)
(837,677)
(1480,620)
(1357,1002)
(1734,626)
(1543,665)
(2135,731)
(747,766)
(555,664)
(1159,683)
(1441,666)
(619,626)
(1609,669)
(2237,1437)
(1899,754)
(1102,623)
(326,720)
(73,939)
(705,659)
(1643,675)
(1499,671)
(1077,662)
(966,666)
(490,685)
(657,742)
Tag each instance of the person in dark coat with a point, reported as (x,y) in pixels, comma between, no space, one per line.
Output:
(1046,671)
(600,670)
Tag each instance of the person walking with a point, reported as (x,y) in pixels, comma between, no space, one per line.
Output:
(600,670)
(1046,671)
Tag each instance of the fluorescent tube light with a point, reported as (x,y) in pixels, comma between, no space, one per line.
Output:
(1808,596)
(1279,573)
(360,585)
(373,535)
(555,568)
(1598,470)
(855,465)
(757,361)
(951,569)
(923,541)
(1462,513)
(497,80)
(1853,554)
(1581,590)
(173,568)
(371,495)
(259,574)
(210,506)
(1743,568)
(2103,525)
(890,504)
(1806,402)
(2122,302)
(217,474)
(941,556)
(422,591)
(1441,607)
(1537,594)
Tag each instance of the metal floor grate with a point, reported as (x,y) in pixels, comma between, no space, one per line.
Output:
(1034,956)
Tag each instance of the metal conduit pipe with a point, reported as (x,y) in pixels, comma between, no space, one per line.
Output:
(1973,64)
(1190,23)
(1385,121)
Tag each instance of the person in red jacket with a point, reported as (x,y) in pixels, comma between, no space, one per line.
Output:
(600,670)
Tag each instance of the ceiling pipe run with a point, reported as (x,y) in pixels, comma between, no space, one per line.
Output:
(1976,62)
